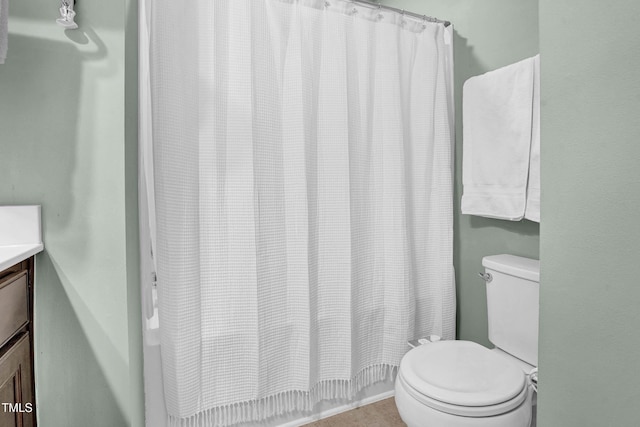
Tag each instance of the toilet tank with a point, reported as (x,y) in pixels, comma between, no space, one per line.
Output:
(513,305)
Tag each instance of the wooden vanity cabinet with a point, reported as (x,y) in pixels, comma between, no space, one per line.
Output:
(17,387)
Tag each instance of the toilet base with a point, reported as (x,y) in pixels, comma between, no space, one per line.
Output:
(417,414)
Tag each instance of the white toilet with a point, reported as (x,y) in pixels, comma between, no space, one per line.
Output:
(463,384)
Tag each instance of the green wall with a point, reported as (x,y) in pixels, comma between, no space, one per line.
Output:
(590,237)
(488,34)
(67,142)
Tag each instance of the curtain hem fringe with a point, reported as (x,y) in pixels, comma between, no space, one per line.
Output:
(288,401)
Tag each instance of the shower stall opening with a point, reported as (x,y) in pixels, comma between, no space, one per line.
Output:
(296,205)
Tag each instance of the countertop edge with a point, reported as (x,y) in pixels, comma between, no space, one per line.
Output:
(18,253)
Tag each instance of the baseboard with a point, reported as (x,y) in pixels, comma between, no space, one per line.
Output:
(340,409)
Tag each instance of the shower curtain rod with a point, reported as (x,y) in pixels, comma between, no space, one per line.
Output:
(401,11)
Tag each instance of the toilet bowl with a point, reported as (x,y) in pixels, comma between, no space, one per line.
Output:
(462,384)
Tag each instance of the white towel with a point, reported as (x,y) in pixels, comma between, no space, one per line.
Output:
(497,117)
(4,29)
(533,189)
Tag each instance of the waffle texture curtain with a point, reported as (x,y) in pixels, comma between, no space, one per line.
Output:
(302,156)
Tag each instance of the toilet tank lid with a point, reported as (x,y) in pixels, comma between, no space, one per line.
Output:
(517,266)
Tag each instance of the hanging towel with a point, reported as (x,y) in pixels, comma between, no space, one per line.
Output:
(4,29)
(497,117)
(533,189)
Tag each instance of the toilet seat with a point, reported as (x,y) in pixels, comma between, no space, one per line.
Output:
(462,378)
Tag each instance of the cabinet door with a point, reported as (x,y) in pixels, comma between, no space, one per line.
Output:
(16,395)
(14,305)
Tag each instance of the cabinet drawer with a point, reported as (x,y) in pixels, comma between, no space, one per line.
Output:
(14,306)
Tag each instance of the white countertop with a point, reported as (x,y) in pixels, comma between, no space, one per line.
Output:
(20,234)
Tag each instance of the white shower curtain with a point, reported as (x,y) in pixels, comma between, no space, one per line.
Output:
(302,162)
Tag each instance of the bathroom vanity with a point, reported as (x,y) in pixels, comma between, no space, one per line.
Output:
(16,351)
(20,240)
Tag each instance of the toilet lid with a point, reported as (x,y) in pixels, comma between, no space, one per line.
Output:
(462,373)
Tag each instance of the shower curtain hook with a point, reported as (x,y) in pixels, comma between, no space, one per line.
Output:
(424,22)
(354,9)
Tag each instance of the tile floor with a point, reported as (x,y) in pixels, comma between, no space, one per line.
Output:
(379,414)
